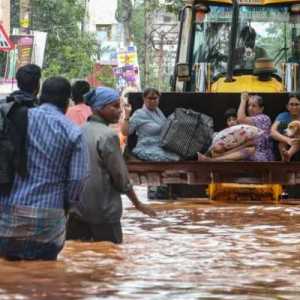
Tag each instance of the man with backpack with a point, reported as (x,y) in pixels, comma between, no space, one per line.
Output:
(13,125)
(32,216)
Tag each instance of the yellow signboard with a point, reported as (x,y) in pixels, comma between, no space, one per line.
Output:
(127,58)
(24,23)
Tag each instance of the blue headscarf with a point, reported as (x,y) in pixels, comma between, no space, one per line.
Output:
(100,97)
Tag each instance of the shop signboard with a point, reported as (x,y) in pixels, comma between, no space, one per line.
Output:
(5,42)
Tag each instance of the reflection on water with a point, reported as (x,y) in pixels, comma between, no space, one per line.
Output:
(192,251)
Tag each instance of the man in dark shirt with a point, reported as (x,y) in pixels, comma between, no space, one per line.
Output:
(28,80)
(295,58)
(96,217)
(246,55)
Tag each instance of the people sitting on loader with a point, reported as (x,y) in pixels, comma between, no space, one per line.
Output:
(288,144)
(250,112)
(147,123)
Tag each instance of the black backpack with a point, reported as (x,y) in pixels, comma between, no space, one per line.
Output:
(7,149)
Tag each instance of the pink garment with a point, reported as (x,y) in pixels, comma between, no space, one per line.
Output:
(79,113)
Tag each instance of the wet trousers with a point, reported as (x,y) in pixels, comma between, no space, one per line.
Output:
(22,249)
(81,230)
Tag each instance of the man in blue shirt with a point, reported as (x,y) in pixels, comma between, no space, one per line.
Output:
(32,216)
(17,105)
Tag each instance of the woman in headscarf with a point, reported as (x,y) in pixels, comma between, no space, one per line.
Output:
(147,123)
(98,213)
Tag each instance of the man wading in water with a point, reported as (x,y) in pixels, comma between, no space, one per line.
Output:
(32,216)
(98,213)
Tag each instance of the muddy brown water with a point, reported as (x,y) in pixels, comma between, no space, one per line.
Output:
(191,251)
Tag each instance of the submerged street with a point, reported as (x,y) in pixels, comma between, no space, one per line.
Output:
(191,251)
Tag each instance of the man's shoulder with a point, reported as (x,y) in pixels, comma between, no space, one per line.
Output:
(99,127)
(50,115)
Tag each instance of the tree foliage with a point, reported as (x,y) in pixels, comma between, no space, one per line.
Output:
(275,41)
(138,33)
(174,5)
(69,51)
(106,76)
(144,10)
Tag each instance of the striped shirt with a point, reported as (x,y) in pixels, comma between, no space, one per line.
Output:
(57,162)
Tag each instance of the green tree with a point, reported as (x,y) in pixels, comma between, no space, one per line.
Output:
(138,32)
(70,52)
(142,16)
(277,37)
(106,76)
(174,5)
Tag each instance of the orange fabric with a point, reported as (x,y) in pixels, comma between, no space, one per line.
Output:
(123,139)
(79,113)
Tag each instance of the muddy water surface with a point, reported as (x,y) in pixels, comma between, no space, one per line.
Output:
(191,251)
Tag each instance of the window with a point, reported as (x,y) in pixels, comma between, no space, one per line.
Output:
(103,32)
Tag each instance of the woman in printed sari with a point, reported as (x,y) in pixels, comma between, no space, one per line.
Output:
(147,123)
(250,112)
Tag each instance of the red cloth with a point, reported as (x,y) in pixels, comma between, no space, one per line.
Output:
(79,113)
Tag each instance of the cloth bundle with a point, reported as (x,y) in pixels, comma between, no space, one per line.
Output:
(235,136)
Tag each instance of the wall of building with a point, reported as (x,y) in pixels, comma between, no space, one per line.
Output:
(101,12)
(5,14)
(101,20)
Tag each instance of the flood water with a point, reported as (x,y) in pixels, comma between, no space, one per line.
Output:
(191,251)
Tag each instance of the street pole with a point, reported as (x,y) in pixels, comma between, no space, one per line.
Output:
(86,6)
(25,13)
(146,42)
(123,16)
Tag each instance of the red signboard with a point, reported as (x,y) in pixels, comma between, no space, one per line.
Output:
(5,43)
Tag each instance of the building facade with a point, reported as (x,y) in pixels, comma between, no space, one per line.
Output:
(5,14)
(101,20)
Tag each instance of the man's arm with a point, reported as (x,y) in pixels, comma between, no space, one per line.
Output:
(117,169)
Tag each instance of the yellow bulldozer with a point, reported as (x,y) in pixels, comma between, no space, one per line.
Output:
(226,47)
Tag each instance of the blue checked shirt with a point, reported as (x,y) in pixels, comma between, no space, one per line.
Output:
(57,162)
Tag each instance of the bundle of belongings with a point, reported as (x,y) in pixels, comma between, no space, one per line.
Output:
(187,132)
(235,136)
